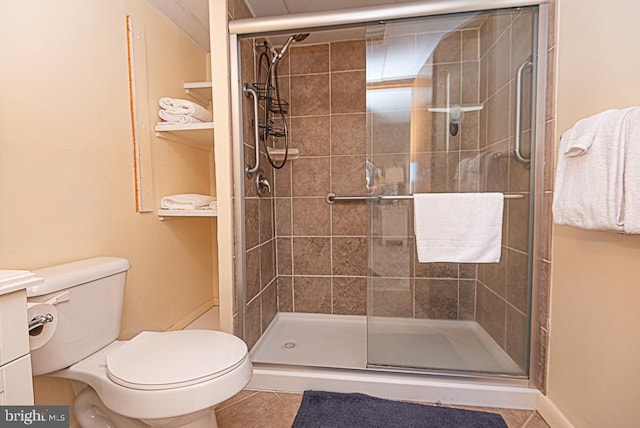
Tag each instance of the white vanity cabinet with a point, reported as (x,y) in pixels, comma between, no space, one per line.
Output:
(16,383)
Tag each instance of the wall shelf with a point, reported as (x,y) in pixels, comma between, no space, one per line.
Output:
(201,91)
(164,214)
(200,135)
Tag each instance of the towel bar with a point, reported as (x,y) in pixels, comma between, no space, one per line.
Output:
(332,198)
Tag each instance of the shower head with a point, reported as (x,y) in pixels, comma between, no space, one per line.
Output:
(293,38)
(300,37)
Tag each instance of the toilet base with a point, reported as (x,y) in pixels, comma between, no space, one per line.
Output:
(91,412)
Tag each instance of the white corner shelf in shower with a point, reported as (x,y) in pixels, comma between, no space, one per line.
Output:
(198,135)
(164,214)
(278,154)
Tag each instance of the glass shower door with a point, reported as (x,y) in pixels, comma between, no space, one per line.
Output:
(449,99)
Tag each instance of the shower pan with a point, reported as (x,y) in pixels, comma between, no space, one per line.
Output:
(327,270)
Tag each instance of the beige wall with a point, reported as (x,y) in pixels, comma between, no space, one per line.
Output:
(66,163)
(594,342)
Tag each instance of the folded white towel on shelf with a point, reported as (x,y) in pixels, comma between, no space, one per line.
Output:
(187,201)
(631,199)
(458,227)
(588,190)
(177,118)
(185,107)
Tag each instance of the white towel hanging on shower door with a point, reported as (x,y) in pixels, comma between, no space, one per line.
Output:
(458,227)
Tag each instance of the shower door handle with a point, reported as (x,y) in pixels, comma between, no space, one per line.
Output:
(517,151)
(249,91)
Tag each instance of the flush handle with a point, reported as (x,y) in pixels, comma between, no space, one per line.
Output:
(37,324)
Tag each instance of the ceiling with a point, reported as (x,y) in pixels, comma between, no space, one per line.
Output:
(192,16)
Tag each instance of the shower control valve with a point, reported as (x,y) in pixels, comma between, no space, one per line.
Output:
(262,184)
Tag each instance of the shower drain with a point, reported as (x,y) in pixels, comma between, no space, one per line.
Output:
(289,345)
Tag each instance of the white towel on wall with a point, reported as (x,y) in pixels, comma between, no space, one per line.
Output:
(185,107)
(177,118)
(631,207)
(187,201)
(588,190)
(458,227)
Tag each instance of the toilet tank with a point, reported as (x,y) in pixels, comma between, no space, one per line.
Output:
(85,298)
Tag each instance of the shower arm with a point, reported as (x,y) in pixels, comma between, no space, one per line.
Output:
(249,91)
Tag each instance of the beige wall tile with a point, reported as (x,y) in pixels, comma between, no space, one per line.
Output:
(309,59)
(348,175)
(518,224)
(517,280)
(267,263)
(349,55)
(491,313)
(349,256)
(253,322)
(283,217)
(282,186)
(284,257)
(311,176)
(269,302)
(449,48)
(265,207)
(349,296)
(391,297)
(348,134)
(312,294)
(470,45)
(349,219)
(348,92)
(252,222)
(309,95)
(253,272)
(516,336)
(311,135)
(285,293)
(494,27)
(312,256)
(467,299)
(311,217)
(494,275)
(436,298)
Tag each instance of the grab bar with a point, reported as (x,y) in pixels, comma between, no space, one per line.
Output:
(332,198)
(256,128)
(517,151)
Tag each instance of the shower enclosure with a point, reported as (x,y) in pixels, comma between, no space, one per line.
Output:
(327,272)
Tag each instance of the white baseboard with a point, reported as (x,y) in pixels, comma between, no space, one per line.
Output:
(551,414)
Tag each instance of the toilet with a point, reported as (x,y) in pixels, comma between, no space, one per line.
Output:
(169,379)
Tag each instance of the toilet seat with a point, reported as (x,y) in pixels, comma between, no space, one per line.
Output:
(164,360)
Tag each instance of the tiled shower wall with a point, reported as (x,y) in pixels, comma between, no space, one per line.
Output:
(417,154)
(322,248)
(502,301)
(260,242)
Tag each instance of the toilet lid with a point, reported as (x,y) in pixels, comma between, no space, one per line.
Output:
(164,360)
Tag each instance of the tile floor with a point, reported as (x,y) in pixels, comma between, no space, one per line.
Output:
(260,409)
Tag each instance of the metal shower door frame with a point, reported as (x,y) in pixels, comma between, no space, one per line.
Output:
(358,17)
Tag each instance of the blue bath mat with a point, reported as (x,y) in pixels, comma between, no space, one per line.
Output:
(337,410)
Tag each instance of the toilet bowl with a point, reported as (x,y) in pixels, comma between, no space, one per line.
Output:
(169,379)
